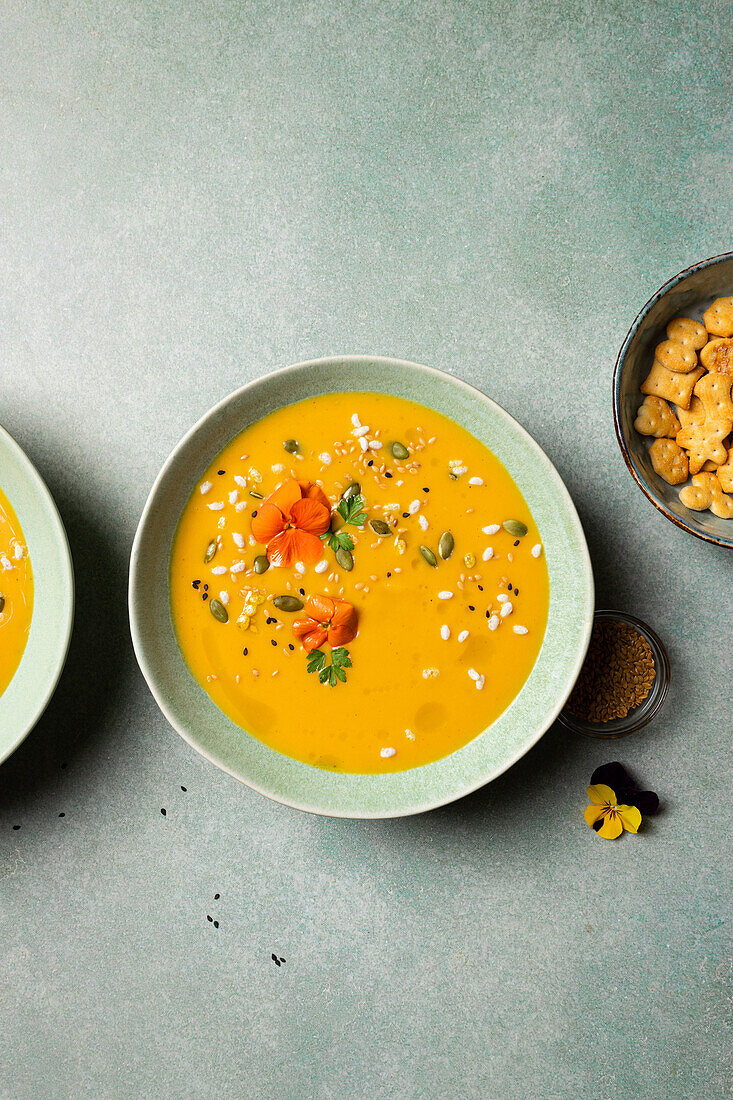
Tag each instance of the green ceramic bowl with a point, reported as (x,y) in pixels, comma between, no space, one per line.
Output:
(28,693)
(203,725)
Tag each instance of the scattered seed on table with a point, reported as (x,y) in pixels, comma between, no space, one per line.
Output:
(184,788)
(162,811)
(62,814)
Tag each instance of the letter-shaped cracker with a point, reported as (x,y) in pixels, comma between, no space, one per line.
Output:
(714,393)
(690,333)
(725,472)
(674,356)
(656,418)
(717,356)
(671,384)
(719,318)
(669,461)
(707,492)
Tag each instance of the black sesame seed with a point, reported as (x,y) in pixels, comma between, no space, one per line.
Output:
(272,641)
(184,788)
(205,596)
(216,897)
(254,514)
(516,591)
(291,646)
(369,463)
(162,811)
(387,473)
(245,652)
(220,472)
(208,917)
(480,588)
(471,607)
(216,924)
(488,615)
(389,575)
(517,543)
(195,584)
(509,586)
(206,588)
(62,815)
(405,515)
(275,959)
(302,591)
(16,827)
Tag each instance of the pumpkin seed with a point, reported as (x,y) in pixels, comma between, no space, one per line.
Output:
(217,609)
(256,495)
(446,545)
(515,527)
(288,603)
(350,491)
(210,552)
(2,604)
(345,559)
(379,527)
(262,563)
(292,446)
(429,556)
(400,451)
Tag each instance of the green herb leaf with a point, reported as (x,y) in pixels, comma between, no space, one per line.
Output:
(334,672)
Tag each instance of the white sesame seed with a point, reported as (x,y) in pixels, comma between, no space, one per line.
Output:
(355,420)
(205,486)
(363,444)
(219,570)
(502,597)
(521,630)
(429,673)
(414,507)
(275,673)
(493,622)
(360,431)
(445,632)
(506,609)
(536,550)
(238,539)
(6,562)
(462,636)
(409,735)
(480,683)
(238,567)
(453,462)
(241,481)
(445,595)
(299,567)
(423,522)
(255,673)
(321,566)
(475,481)
(488,553)
(18,551)
(398,483)
(240,506)
(491,529)
(233,496)
(510,557)
(474,674)
(387,752)
(224,597)
(277,468)
(375,445)
(216,506)
(222,522)
(325,458)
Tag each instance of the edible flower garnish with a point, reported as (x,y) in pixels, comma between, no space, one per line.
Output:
(329,620)
(616,808)
(291,521)
(334,672)
(352,513)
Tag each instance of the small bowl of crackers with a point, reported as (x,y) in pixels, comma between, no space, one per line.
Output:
(673,401)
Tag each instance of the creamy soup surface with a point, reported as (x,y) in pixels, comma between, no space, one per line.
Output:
(357,582)
(16,593)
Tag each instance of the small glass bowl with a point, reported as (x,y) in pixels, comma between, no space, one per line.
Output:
(638,716)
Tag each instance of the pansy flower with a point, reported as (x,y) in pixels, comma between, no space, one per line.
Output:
(291,521)
(329,620)
(615,808)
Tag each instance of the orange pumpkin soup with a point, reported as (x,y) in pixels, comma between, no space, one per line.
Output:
(357,582)
(16,593)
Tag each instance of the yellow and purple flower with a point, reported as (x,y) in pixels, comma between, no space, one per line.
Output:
(616,803)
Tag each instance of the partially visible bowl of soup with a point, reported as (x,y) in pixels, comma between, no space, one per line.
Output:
(360,587)
(36,595)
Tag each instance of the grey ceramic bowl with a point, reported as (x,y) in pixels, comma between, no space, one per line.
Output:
(28,693)
(688,294)
(190,710)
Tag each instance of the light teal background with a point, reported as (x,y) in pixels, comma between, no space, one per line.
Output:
(196,193)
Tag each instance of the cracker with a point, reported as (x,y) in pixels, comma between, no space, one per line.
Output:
(717,356)
(714,393)
(656,418)
(706,491)
(669,461)
(675,356)
(725,472)
(690,333)
(671,384)
(719,317)
(704,441)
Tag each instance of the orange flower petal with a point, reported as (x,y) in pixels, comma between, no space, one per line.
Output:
(285,496)
(310,633)
(601,795)
(611,827)
(267,523)
(310,516)
(306,547)
(301,627)
(344,624)
(282,550)
(321,608)
(311,491)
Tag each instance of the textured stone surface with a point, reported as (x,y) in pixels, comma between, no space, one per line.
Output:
(191,194)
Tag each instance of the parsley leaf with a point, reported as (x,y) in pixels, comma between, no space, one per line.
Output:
(335,672)
(352,511)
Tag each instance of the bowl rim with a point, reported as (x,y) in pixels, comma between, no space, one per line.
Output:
(410,805)
(717,540)
(57,532)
